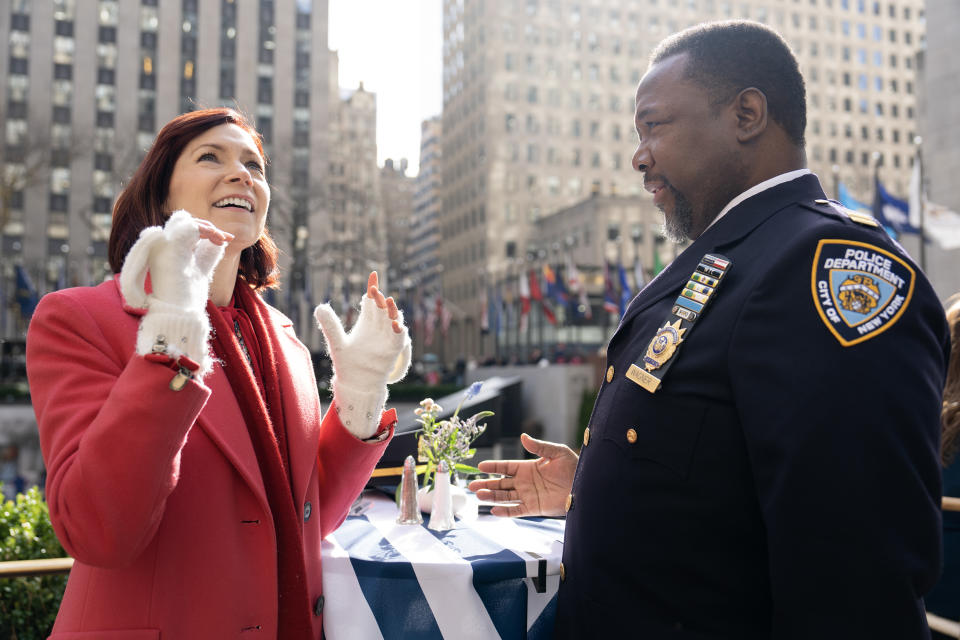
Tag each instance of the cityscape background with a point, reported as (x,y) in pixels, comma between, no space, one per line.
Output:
(515,227)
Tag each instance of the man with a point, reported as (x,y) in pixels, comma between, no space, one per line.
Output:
(762,459)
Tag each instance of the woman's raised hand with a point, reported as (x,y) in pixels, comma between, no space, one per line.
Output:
(180,258)
(384,303)
(375,353)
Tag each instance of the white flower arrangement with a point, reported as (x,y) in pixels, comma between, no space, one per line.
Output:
(450,439)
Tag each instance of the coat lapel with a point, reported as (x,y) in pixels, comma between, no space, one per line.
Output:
(301,404)
(665,283)
(222,421)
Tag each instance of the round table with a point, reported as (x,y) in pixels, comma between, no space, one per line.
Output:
(484,579)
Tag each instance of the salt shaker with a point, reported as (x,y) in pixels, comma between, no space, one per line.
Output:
(441,517)
(409,506)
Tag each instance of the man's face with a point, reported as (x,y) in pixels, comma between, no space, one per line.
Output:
(687,149)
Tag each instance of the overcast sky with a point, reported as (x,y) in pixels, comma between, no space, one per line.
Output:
(395,48)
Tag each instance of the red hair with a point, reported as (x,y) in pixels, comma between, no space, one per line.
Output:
(950,414)
(141,203)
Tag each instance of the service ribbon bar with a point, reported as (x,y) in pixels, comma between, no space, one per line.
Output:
(688,308)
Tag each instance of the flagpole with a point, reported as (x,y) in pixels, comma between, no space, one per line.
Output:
(876,168)
(918,141)
(541,254)
(530,314)
(877,205)
(515,304)
(498,305)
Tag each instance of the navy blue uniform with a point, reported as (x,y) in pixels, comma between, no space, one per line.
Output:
(783,481)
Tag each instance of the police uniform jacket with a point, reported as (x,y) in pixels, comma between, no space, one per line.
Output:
(783,481)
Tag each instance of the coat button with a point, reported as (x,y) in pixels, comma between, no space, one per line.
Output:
(563,572)
(817,201)
(586,436)
(569,504)
(631,436)
(179,381)
(307,510)
(318,606)
(610,373)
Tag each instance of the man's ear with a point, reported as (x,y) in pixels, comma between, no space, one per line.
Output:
(750,107)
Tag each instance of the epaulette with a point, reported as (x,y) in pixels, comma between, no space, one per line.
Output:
(837,210)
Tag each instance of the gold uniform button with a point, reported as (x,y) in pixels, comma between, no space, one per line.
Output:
(563,573)
(610,373)
(821,201)
(569,504)
(631,436)
(586,436)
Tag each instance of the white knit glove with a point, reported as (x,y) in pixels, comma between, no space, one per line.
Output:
(181,265)
(365,361)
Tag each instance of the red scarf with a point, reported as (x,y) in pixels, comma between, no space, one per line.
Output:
(262,408)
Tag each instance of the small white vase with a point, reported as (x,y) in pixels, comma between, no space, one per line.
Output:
(464,504)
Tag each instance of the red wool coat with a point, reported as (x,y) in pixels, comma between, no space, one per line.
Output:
(157,494)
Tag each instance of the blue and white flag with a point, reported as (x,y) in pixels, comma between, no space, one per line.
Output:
(937,221)
(26,295)
(625,294)
(847,200)
(891,212)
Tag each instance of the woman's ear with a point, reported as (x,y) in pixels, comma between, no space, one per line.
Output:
(750,107)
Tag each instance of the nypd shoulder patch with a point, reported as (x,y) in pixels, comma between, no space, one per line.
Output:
(859,290)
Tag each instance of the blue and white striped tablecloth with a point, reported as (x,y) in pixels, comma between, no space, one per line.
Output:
(387,581)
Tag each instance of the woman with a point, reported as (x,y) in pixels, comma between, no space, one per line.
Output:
(944,599)
(951,391)
(190,473)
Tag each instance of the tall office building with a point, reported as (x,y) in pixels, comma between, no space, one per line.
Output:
(939,128)
(84,86)
(421,273)
(396,193)
(355,241)
(538,106)
(423,261)
(941,115)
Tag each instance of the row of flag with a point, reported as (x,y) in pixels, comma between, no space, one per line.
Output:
(916,216)
(26,296)
(560,292)
(556,287)
(425,313)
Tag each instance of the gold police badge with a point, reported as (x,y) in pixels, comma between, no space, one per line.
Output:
(663,345)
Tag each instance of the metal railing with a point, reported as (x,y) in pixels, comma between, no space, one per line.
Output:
(944,626)
(938,624)
(28,568)
(52,566)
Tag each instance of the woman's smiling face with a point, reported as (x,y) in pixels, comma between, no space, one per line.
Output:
(220,177)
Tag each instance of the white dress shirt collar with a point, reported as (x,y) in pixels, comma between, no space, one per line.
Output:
(763,186)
